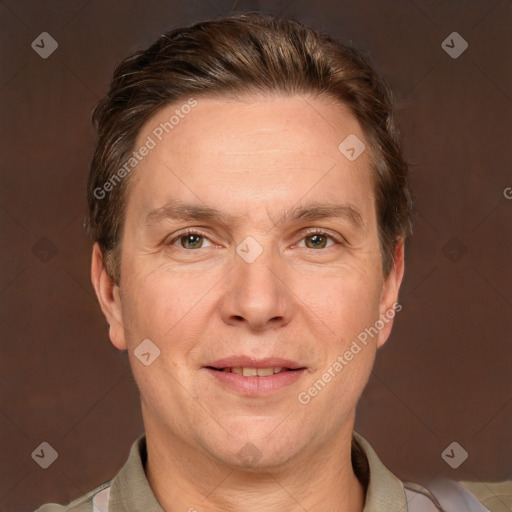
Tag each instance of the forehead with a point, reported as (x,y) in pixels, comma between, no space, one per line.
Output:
(238,152)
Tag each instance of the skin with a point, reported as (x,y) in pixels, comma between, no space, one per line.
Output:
(304,299)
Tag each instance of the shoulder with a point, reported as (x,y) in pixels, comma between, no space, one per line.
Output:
(496,496)
(82,504)
(128,480)
(453,496)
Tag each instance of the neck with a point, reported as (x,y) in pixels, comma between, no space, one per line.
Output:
(184,478)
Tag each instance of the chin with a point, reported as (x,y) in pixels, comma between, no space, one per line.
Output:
(250,459)
(258,449)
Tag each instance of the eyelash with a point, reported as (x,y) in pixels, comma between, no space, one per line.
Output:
(310,231)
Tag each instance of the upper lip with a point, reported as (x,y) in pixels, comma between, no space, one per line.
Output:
(251,362)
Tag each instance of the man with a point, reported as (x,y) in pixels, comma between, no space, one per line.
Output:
(249,206)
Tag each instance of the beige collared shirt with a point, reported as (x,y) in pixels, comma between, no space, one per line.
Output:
(130,491)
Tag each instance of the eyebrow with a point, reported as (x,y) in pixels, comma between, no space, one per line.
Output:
(184,211)
(324,211)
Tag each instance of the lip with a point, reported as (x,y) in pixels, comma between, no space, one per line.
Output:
(251,362)
(255,386)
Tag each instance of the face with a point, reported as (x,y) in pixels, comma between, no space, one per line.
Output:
(250,260)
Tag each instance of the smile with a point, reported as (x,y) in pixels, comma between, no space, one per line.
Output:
(254,372)
(254,382)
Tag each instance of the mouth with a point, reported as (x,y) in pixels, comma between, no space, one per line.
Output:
(255,372)
(251,377)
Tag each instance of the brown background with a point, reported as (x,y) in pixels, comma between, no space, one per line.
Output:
(445,374)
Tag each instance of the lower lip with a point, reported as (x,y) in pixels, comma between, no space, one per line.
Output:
(256,386)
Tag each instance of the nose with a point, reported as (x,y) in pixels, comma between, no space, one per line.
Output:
(257,295)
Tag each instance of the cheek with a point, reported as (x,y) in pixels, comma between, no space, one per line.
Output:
(349,307)
(166,309)
(335,387)
(162,304)
(347,302)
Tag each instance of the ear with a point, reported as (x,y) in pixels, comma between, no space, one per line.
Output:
(389,299)
(108,296)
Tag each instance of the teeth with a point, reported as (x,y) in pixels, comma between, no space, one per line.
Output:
(253,372)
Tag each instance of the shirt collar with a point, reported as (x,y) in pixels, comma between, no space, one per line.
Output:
(385,492)
(130,490)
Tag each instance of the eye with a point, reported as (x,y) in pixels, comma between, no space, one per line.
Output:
(190,240)
(317,239)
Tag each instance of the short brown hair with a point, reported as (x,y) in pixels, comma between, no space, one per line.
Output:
(247,53)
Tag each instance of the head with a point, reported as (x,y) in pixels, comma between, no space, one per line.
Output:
(236,130)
